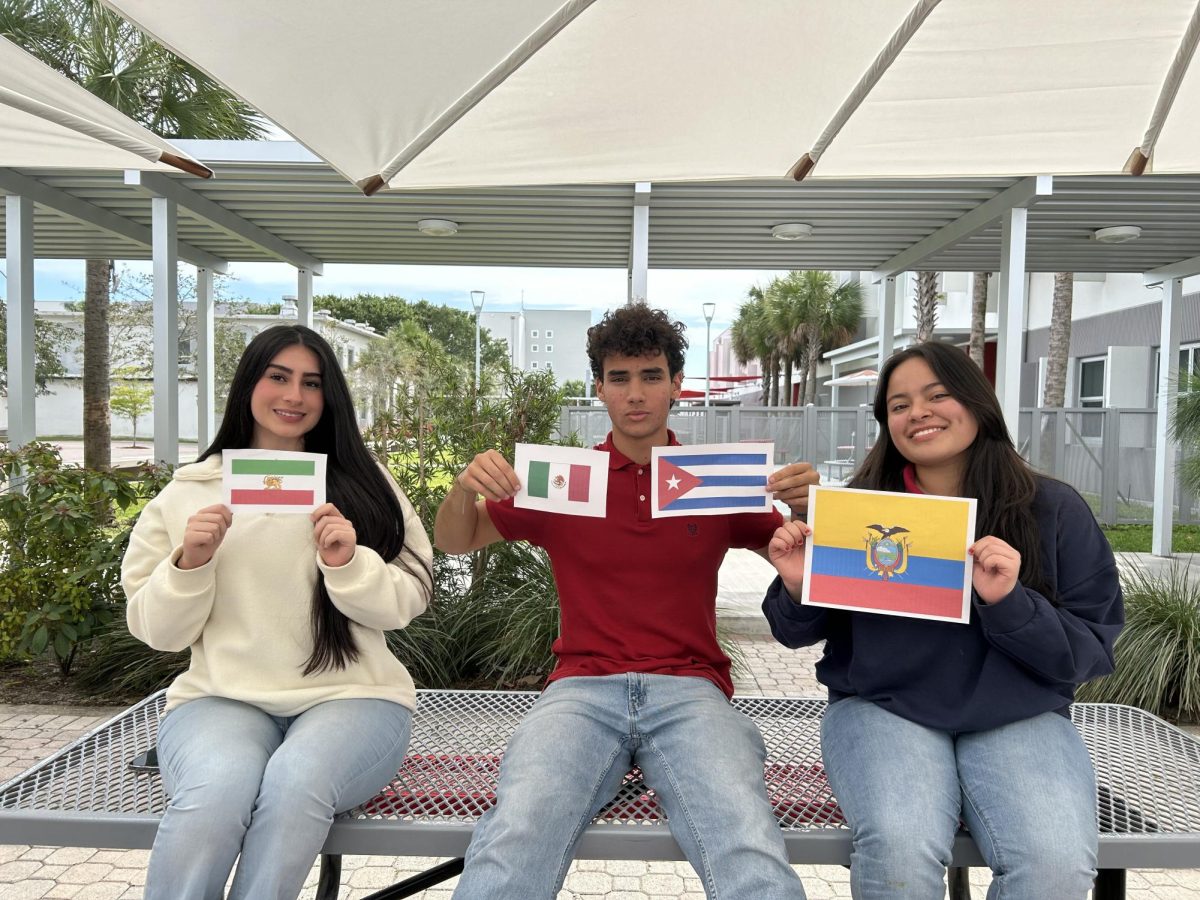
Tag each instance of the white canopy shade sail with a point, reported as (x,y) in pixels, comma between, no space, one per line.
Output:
(445,93)
(48,121)
(865,378)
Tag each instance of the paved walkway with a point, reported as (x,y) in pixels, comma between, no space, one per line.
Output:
(28,734)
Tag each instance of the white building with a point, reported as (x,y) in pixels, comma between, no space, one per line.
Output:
(541,340)
(59,413)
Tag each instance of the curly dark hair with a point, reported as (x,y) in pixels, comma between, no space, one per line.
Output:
(636,330)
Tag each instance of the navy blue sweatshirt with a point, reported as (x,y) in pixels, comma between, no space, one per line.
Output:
(1015,659)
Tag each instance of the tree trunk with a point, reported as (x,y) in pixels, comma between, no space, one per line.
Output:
(97,429)
(787,379)
(926,305)
(1056,363)
(978,314)
(812,359)
(1060,340)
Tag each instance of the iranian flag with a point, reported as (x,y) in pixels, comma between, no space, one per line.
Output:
(566,480)
(273,481)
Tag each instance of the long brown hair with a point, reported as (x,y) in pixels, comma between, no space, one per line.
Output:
(995,474)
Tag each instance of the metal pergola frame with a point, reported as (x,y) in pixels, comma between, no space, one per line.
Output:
(274,201)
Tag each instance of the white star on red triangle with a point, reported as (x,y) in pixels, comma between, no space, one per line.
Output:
(673,483)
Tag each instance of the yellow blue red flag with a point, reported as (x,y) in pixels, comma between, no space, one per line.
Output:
(892,553)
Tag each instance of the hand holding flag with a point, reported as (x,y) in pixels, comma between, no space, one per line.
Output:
(995,570)
(203,535)
(334,535)
(790,485)
(786,554)
(490,474)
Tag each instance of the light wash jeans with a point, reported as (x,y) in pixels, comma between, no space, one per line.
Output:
(1026,792)
(242,781)
(702,757)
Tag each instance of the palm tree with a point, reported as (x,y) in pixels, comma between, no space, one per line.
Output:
(1056,360)
(786,315)
(978,316)
(832,312)
(926,305)
(97,49)
(752,341)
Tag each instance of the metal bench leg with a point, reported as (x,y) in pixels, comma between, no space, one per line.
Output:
(1110,885)
(330,879)
(411,886)
(959,880)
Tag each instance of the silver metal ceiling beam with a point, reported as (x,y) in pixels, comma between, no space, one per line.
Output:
(82,211)
(1024,193)
(1181,269)
(157,185)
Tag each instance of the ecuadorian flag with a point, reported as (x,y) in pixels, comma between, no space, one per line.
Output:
(884,552)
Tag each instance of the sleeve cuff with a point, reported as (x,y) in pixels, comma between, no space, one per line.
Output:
(1010,614)
(189,582)
(782,601)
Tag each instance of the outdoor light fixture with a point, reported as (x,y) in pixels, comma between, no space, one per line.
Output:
(437,227)
(709,310)
(792,231)
(1117,234)
(477,305)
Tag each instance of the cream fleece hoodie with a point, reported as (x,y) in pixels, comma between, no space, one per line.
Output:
(246,613)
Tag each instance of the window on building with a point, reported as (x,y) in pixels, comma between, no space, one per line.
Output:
(1091,395)
(549,347)
(533,348)
(533,333)
(1189,364)
(549,333)
(549,366)
(534,364)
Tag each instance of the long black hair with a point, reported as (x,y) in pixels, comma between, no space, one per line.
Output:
(355,484)
(994,474)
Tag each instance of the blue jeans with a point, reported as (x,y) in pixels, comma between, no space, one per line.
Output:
(1026,792)
(242,781)
(703,758)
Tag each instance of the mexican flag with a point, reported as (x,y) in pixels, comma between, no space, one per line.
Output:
(567,480)
(273,481)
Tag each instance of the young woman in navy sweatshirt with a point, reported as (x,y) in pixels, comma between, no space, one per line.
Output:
(931,722)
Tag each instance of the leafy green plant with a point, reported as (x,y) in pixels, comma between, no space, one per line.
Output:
(61,546)
(1158,652)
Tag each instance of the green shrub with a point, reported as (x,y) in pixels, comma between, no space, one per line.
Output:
(1158,652)
(61,546)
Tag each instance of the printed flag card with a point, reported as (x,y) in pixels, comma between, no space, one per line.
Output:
(277,481)
(890,553)
(569,480)
(710,479)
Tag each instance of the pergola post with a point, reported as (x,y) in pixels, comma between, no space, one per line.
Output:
(1164,446)
(639,248)
(1009,343)
(205,360)
(887,321)
(304,297)
(19,240)
(166,330)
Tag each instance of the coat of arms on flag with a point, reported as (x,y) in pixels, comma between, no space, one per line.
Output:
(892,553)
(278,481)
(568,480)
(711,479)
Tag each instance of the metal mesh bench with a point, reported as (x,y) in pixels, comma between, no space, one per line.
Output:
(89,793)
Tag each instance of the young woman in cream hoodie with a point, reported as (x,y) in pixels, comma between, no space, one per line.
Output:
(292,709)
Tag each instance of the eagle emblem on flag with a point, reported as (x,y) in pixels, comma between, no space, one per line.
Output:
(887,555)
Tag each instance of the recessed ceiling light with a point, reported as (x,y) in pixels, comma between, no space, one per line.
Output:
(791,231)
(437,227)
(1117,234)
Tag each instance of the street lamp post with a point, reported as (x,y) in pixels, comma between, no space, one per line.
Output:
(709,310)
(477,303)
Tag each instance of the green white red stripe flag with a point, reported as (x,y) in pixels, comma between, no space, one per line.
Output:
(276,481)
(569,480)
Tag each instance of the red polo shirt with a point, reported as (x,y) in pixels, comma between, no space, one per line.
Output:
(636,594)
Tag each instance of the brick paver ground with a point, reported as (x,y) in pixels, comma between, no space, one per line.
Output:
(27,734)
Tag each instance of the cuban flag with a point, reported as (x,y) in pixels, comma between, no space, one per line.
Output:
(711,479)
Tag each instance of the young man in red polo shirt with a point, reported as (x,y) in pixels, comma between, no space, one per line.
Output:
(640,678)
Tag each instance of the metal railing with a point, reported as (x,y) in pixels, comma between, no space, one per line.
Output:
(1105,454)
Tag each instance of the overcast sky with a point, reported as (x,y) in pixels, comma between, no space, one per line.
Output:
(681,293)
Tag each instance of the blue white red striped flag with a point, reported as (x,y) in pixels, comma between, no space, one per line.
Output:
(711,479)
